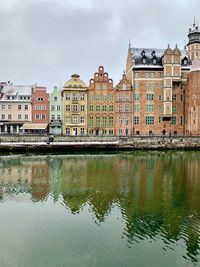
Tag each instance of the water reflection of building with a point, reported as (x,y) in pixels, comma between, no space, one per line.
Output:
(40,180)
(75,191)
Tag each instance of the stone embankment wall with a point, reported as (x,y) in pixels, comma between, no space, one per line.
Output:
(63,144)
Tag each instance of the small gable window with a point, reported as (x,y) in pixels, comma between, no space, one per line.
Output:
(40,99)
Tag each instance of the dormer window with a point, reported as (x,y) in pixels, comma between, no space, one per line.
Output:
(154,60)
(185,62)
(144,60)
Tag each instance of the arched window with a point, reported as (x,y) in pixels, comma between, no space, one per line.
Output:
(40,99)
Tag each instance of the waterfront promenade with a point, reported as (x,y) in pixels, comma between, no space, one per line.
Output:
(32,143)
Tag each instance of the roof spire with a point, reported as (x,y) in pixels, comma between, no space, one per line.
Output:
(194,23)
(129,43)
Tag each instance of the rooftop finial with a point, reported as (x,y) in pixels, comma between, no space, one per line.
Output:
(129,43)
(194,23)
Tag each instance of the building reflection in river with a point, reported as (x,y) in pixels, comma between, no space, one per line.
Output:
(158,193)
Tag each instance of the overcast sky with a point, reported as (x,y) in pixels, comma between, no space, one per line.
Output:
(45,41)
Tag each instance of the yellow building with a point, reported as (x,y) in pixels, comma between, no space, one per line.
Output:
(75,106)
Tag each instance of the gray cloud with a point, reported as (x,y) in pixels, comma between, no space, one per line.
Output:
(45,41)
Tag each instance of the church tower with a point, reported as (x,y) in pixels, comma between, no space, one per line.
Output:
(194,42)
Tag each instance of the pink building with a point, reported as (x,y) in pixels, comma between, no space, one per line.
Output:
(124,108)
(40,112)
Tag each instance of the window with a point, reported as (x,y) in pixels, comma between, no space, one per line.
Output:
(136,75)
(111,97)
(150,97)
(68,108)
(37,116)
(19,107)
(149,108)
(97,121)
(40,99)
(19,116)
(136,120)
(43,107)
(67,96)
(98,98)
(43,117)
(67,131)
(120,109)
(9,117)
(37,107)
(111,121)
(58,117)
(82,97)
(26,116)
(149,120)
(144,60)
(120,120)
(91,97)
(104,97)
(68,119)
(75,97)
(82,108)
(136,85)
(75,108)
(104,121)
(26,107)
(111,108)
(97,108)
(82,131)
(52,117)
(136,97)
(104,86)
(58,107)
(3,116)
(182,120)
(160,108)
(153,73)
(174,109)
(52,107)
(154,61)
(9,106)
(147,75)
(97,87)
(123,86)
(173,97)
(126,120)
(126,108)
(120,131)
(55,98)
(120,98)
(159,119)
(104,107)
(181,97)
(91,121)
(91,108)
(127,98)
(82,120)
(75,119)
(173,121)
(136,108)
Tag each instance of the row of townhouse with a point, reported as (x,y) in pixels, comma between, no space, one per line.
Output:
(159,94)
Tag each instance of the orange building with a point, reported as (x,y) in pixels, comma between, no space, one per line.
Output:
(101,104)
(123,108)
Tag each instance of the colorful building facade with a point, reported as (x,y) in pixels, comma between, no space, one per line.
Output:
(75,107)
(124,108)
(15,107)
(101,104)
(56,112)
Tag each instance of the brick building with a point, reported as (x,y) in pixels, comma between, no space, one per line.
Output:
(101,104)
(123,108)
(192,101)
(40,112)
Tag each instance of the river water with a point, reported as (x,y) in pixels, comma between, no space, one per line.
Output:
(140,209)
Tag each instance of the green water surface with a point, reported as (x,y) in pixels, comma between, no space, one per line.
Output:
(140,209)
